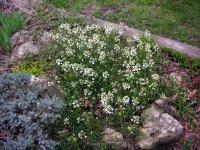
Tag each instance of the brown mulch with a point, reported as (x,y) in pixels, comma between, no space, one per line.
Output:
(190,81)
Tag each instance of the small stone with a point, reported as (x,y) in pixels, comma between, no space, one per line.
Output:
(16,37)
(116,138)
(27,48)
(171,111)
(162,102)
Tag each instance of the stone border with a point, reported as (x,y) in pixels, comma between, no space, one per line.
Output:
(186,49)
(189,50)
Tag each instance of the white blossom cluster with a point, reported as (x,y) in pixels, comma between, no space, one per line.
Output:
(106,99)
(121,74)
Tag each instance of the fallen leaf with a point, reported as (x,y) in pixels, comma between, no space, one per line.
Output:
(192,94)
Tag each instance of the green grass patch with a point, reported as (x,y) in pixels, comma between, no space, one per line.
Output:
(9,24)
(183,60)
(178,20)
(59,3)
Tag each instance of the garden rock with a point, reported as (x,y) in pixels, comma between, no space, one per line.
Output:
(158,127)
(50,86)
(17,36)
(27,6)
(164,104)
(27,48)
(116,138)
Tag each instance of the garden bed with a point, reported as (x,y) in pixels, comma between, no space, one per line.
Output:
(108,80)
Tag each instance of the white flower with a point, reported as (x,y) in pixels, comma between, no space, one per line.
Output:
(79,119)
(126,86)
(82,135)
(76,104)
(87,92)
(50,83)
(117,38)
(58,62)
(125,100)
(66,121)
(155,76)
(108,29)
(86,53)
(135,119)
(106,99)
(102,56)
(147,33)
(105,74)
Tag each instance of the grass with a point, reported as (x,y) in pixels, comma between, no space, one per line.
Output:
(9,24)
(59,3)
(183,60)
(178,20)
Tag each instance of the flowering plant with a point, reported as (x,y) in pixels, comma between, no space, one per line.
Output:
(107,79)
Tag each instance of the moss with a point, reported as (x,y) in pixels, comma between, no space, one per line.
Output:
(33,66)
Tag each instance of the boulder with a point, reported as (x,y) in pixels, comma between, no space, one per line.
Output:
(26,49)
(157,128)
(110,136)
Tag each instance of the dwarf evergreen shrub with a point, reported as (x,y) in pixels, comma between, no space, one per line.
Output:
(26,115)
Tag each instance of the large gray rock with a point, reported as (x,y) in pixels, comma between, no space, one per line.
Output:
(110,136)
(157,128)
(27,48)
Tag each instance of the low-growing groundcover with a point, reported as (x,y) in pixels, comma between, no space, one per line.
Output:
(26,114)
(107,79)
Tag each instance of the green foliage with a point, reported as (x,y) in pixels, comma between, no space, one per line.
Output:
(59,3)
(9,24)
(183,60)
(107,78)
(185,108)
(187,144)
(26,113)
